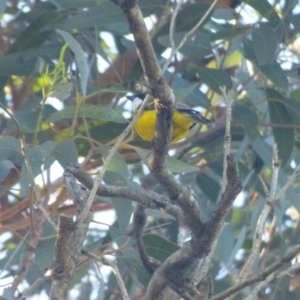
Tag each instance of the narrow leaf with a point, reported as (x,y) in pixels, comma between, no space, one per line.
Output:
(265,43)
(248,118)
(98,112)
(177,166)
(284,137)
(158,247)
(80,58)
(209,186)
(117,164)
(265,9)
(215,78)
(275,73)
(66,152)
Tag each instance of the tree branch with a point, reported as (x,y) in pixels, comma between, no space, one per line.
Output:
(178,265)
(71,236)
(148,199)
(63,266)
(259,277)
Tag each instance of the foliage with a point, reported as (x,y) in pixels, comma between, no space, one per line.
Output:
(81,53)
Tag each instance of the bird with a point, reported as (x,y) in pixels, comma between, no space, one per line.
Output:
(184,118)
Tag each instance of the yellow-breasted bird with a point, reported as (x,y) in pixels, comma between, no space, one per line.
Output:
(184,119)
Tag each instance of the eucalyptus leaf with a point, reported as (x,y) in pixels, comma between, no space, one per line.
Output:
(215,79)
(264,43)
(158,247)
(66,152)
(98,112)
(177,166)
(209,186)
(80,58)
(248,118)
(284,137)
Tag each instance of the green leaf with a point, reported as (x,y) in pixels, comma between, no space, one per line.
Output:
(154,213)
(272,71)
(63,91)
(3,6)
(16,64)
(177,166)
(265,9)
(295,20)
(199,45)
(80,59)
(5,167)
(275,73)
(264,43)
(279,115)
(293,108)
(223,14)
(36,157)
(248,118)
(113,178)
(10,149)
(65,152)
(249,52)
(190,15)
(230,33)
(209,186)
(193,96)
(37,32)
(106,132)
(117,163)
(67,4)
(116,88)
(112,19)
(158,247)
(215,78)
(44,253)
(237,247)
(98,112)
(226,243)
(123,208)
(263,150)
(151,7)
(182,93)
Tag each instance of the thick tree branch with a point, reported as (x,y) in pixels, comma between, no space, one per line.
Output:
(63,266)
(148,199)
(71,236)
(178,265)
(136,230)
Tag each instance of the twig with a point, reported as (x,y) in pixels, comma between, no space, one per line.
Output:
(30,172)
(257,238)
(188,36)
(227,137)
(136,230)
(39,281)
(115,270)
(287,185)
(230,182)
(259,277)
(272,277)
(172,24)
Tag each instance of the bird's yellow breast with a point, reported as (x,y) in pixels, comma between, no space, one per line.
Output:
(145,125)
